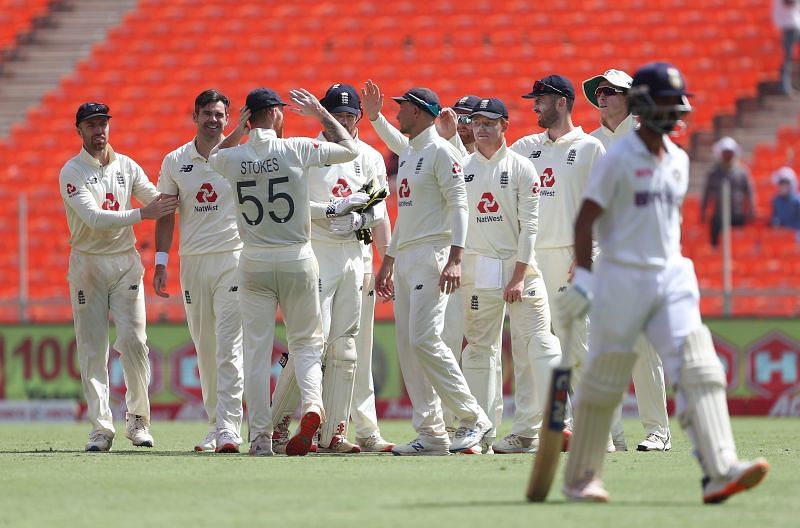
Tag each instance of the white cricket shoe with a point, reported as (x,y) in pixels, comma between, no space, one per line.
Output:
(261,445)
(421,446)
(655,442)
(742,476)
(99,441)
(137,431)
(589,490)
(466,437)
(513,443)
(339,445)
(375,443)
(227,442)
(610,447)
(209,443)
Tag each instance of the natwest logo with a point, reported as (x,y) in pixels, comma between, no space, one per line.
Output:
(207,194)
(488,204)
(772,365)
(547,178)
(111,203)
(341,189)
(71,190)
(404,191)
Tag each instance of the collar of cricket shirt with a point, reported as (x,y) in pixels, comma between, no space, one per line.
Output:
(90,160)
(501,153)
(423,138)
(569,137)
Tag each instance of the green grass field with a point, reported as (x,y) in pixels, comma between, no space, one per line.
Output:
(47,480)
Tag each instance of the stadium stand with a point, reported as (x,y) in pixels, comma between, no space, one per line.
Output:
(151,65)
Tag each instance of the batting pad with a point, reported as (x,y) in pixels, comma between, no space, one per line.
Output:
(604,380)
(337,387)
(286,396)
(702,406)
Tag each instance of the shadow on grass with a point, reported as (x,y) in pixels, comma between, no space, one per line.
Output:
(552,503)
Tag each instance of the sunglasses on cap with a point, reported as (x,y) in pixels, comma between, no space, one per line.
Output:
(433,108)
(542,88)
(608,91)
(464,119)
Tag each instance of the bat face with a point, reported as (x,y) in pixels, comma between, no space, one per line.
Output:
(558,400)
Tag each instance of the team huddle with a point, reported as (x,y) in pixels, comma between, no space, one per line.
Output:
(559,229)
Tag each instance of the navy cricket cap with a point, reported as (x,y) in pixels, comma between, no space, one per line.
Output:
(660,79)
(467,103)
(552,84)
(492,108)
(89,110)
(424,98)
(341,98)
(263,98)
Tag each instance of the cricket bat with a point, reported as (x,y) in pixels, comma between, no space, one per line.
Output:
(551,433)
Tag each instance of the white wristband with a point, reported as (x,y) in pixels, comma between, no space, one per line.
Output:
(162,258)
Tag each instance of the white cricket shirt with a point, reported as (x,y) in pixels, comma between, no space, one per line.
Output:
(269,179)
(97,200)
(341,180)
(563,166)
(431,198)
(608,137)
(503,200)
(207,214)
(641,197)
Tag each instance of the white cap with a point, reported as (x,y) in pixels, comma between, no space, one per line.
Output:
(726,144)
(617,78)
(785,173)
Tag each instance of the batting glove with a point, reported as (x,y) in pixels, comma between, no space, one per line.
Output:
(342,206)
(347,223)
(576,301)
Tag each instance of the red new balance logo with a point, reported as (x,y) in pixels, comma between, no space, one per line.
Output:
(404,191)
(341,189)
(488,204)
(111,203)
(207,194)
(548,180)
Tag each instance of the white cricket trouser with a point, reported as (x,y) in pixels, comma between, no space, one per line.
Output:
(428,366)
(554,264)
(362,410)
(100,284)
(535,350)
(453,337)
(662,303)
(263,286)
(210,285)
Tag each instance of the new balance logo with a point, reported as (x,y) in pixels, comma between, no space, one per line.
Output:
(371,293)
(133,287)
(571,156)
(473,302)
(418,287)
(187,297)
(284,359)
(468,178)
(186,168)
(562,289)
(535,154)
(531,293)
(233,289)
(417,446)
(81,297)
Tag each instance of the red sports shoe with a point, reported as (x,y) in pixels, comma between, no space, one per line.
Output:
(300,444)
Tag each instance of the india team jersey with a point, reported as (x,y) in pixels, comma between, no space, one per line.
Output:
(207,213)
(270,184)
(608,137)
(339,181)
(641,197)
(97,200)
(431,198)
(503,200)
(563,166)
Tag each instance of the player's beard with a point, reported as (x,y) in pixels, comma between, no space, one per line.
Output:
(548,118)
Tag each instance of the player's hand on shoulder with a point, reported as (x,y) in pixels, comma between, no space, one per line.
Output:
(577,300)
(371,100)
(163,205)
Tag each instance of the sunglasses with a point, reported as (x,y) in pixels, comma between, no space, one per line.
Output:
(608,91)
(540,87)
(464,119)
(433,108)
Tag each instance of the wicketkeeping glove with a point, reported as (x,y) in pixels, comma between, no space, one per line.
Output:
(576,301)
(347,223)
(342,206)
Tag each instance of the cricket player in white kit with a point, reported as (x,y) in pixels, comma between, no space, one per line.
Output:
(642,283)
(607,92)
(499,273)
(209,250)
(337,244)
(422,266)
(563,156)
(277,265)
(105,272)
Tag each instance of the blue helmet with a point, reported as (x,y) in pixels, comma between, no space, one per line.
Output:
(659,80)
